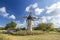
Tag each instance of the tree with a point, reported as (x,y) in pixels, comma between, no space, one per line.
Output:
(57,29)
(45,26)
(10,25)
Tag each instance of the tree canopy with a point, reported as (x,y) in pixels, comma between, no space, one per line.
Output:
(45,26)
(10,25)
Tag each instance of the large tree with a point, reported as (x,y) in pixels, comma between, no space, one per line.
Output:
(45,26)
(10,25)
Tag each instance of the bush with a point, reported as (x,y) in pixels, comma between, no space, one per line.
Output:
(58,29)
(22,33)
(22,29)
(35,28)
(45,27)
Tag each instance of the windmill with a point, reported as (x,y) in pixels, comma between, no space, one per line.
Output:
(29,21)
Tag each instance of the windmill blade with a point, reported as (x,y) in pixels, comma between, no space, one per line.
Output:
(36,19)
(22,17)
(39,18)
(30,12)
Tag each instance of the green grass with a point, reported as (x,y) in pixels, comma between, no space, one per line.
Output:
(1,38)
(45,36)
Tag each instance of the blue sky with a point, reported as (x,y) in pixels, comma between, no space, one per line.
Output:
(48,10)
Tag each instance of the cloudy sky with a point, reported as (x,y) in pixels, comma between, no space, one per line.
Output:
(46,10)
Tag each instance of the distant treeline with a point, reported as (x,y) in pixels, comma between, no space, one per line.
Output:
(40,26)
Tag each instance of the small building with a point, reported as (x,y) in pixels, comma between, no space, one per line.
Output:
(10,30)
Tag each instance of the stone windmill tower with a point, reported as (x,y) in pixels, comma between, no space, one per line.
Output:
(29,21)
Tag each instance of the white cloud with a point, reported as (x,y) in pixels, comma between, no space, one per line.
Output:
(31,6)
(3,9)
(38,11)
(12,17)
(58,5)
(35,5)
(3,12)
(1,26)
(56,22)
(54,19)
(18,25)
(49,17)
(28,8)
(41,20)
(53,7)
(53,14)
(21,25)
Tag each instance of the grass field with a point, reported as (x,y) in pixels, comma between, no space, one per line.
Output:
(46,36)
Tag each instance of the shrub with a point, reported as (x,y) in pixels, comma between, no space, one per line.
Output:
(58,29)
(45,27)
(22,33)
(22,29)
(1,28)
